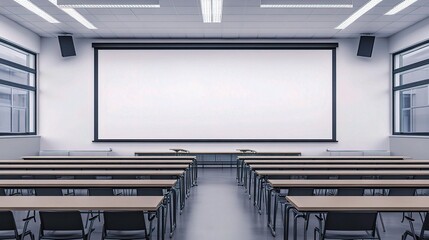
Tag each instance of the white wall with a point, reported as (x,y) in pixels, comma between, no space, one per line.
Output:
(415,34)
(17,34)
(415,147)
(16,147)
(66,104)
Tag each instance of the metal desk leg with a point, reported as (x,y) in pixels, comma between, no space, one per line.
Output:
(295,226)
(286,222)
(273,221)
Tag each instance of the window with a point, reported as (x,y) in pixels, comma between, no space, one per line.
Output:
(17,90)
(411,91)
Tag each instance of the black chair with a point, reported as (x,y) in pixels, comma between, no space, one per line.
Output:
(8,229)
(48,192)
(350,192)
(347,225)
(154,192)
(412,232)
(124,225)
(64,225)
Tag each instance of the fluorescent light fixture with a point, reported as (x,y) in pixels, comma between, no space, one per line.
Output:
(76,15)
(212,11)
(371,4)
(35,9)
(108,3)
(401,6)
(306,5)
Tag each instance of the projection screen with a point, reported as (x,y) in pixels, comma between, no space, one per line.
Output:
(217,93)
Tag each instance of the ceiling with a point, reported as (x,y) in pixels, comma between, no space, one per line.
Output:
(241,19)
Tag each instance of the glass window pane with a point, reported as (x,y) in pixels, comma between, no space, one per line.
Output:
(19,121)
(411,76)
(5,119)
(20,98)
(15,75)
(416,55)
(15,55)
(405,99)
(31,112)
(420,97)
(406,121)
(5,96)
(421,119)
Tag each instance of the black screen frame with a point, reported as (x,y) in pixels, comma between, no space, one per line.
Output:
(217,46)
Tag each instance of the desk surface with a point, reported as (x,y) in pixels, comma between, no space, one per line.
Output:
(88,161)
(359,203)
(92,172)
(321,157)
(349,183)
(93,166)
(220,152)
(342,172)
(339,166)
(136,203)
(340,161)
(90,183)
(109,157)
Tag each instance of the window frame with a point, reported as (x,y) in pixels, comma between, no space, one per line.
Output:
(409,86)
(32,89)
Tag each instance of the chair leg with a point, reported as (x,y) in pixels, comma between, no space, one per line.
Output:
(382,222)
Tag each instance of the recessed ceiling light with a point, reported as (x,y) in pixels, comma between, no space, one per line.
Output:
(35,9)
(76,15)
(108,3)
(371,4)
(306,5)
(212,11)
(401,6)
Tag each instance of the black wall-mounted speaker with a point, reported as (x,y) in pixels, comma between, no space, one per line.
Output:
(67,46)
(366,45)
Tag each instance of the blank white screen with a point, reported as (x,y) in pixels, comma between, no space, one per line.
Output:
(215,94)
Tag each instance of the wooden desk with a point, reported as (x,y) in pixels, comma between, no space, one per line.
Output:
(109,157)
(96,161)
(93,183)
(321,157)
(117,158)
(341,161)
(241,159)
(349,183)
(95,166)
(153,204)
(338,166)
(177,173)
(267,173)
(332,183)
(356,203)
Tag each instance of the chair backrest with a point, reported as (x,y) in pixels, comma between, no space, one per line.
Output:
(150,192)
(61,221)
(7,221)
(161,177)
(350,192)
(402,192)
(351,221)
(2,192)
(425,226)
(349,177)
(100,192)
(48,192)
(124,221)
(300,192)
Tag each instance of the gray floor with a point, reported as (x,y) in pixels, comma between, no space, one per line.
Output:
(219,209)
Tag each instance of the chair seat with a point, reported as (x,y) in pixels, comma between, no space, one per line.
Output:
(111,234)
(63,235)
(11,234)
(353,235)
